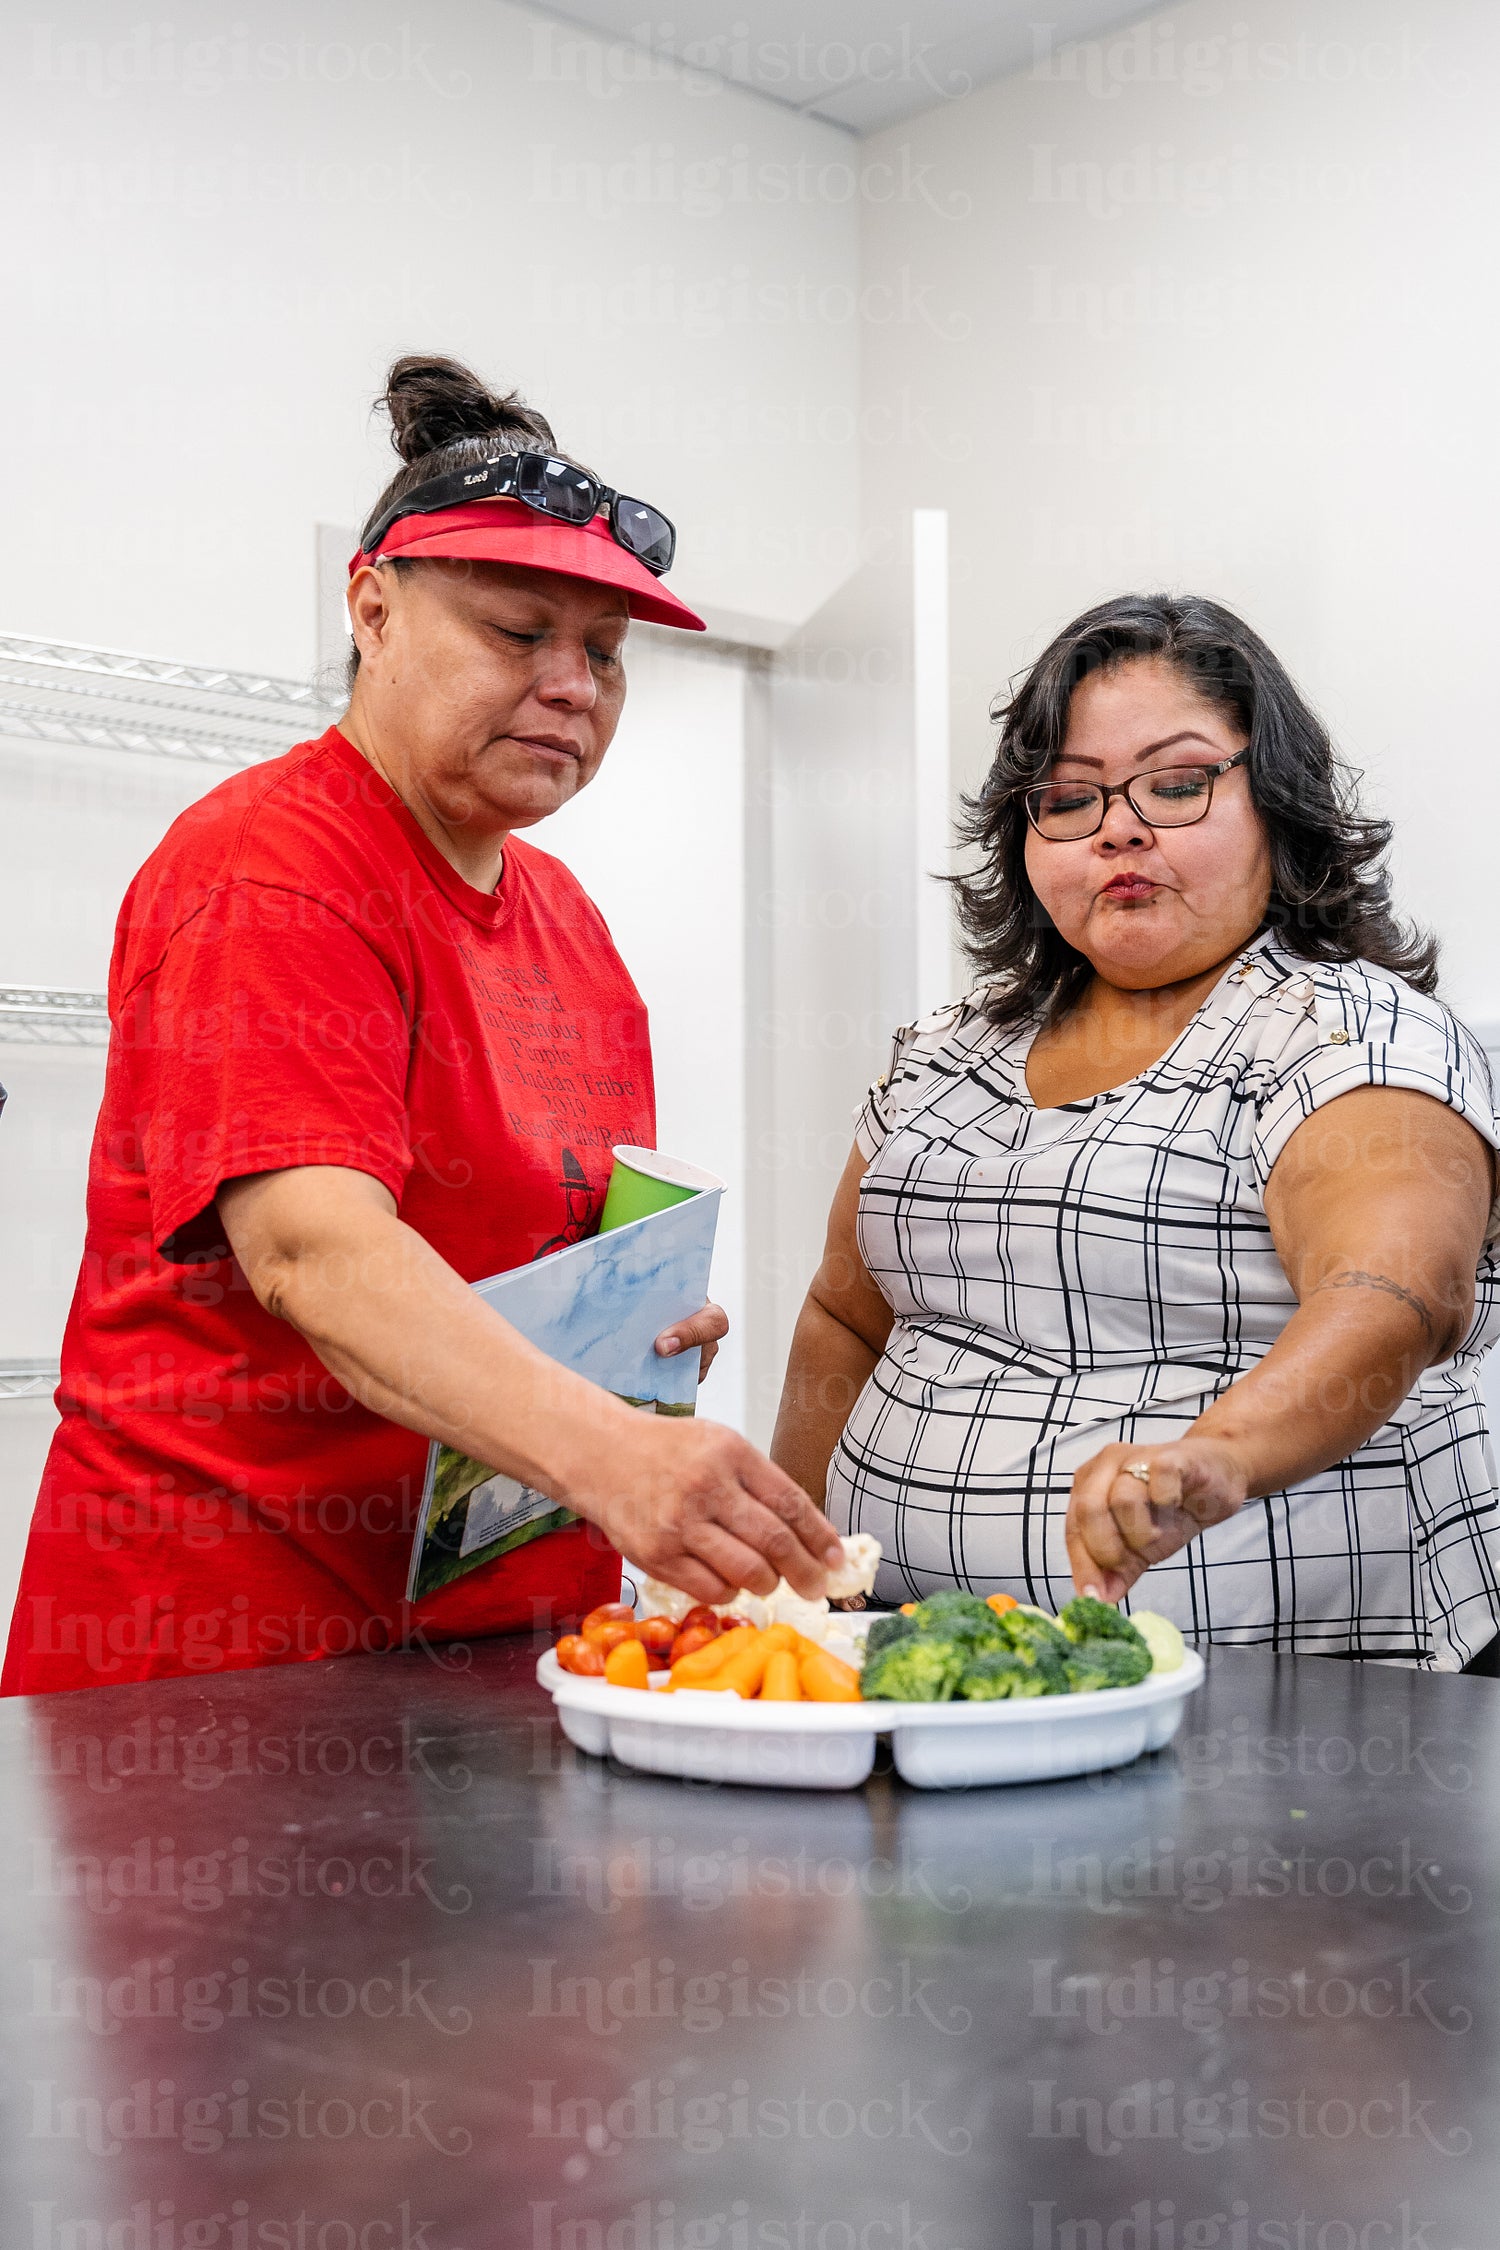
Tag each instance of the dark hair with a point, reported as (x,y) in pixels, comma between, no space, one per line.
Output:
(443,417)
(1330,890)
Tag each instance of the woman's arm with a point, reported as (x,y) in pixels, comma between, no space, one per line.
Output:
(840,1334)
(1378,1207)
(690,1501)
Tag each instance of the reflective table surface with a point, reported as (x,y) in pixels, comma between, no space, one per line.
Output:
(362,1956)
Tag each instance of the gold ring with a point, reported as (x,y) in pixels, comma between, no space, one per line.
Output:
(1138,1469)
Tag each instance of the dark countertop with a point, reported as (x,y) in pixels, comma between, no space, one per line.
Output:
(361,1956)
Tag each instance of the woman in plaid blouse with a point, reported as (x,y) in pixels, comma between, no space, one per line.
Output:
(1168,1249)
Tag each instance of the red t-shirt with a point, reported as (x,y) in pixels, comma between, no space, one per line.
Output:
(299,977)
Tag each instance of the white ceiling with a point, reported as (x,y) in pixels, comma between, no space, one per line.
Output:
(857,63)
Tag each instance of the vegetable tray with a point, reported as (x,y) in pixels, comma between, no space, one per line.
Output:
(703,1736)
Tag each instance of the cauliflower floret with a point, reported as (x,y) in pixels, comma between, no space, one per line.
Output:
(786,1608)
(783,1606)
(754,1608)
(816,1620)
(861,1561)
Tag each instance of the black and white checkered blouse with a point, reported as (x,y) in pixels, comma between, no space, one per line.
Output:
(1062,1278)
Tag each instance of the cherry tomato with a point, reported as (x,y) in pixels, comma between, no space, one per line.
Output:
(608,1613)
(575,1654)
(732,1624)
(700,1614)
(656,1635)
(689,1638)
(610,1634)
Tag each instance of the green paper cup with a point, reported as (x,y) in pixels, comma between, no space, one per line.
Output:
(644,1181)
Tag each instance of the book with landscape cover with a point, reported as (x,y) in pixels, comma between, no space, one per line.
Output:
(598,1307)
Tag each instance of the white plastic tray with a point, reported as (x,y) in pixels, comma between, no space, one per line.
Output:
(703,1736)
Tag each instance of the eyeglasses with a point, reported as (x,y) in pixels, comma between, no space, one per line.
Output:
(553,488)
(1162,797)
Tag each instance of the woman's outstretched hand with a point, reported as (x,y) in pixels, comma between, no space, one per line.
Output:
(706,1329)
(696,1504)
(1119,1525)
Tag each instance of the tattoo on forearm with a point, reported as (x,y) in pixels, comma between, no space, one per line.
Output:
(1356,1279)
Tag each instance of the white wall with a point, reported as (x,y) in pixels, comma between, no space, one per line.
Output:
(76,825)
(221,229)
(842,861)
(1210,304)
(659,841)
(222,225)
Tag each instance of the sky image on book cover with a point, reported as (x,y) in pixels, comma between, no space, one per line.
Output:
(598,1308)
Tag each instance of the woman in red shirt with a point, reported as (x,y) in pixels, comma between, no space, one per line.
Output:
(367,1047)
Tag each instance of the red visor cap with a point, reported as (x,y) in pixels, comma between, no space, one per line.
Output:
(507,531)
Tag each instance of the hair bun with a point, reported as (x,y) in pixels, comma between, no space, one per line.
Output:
(434,403)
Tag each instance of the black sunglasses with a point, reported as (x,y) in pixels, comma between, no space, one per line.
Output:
(553,488)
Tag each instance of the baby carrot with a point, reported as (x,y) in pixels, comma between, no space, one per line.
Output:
(825,1679)
(781,1684)
(697,1669)
(746,1669)
(625,1665)
(1000,1603)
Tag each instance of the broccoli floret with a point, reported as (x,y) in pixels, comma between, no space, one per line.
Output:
(1048,1667)
(953,1617)
(918,1668)
(968,1634)
(1028,1631)
(965,1649)
(888,1629)
(963,1618)
(952,1603)
(994,1673)
(941,1610)
(1085,1671)
(1107,1664)
(1038,1644)
(1086,1618)
(1129,1665)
